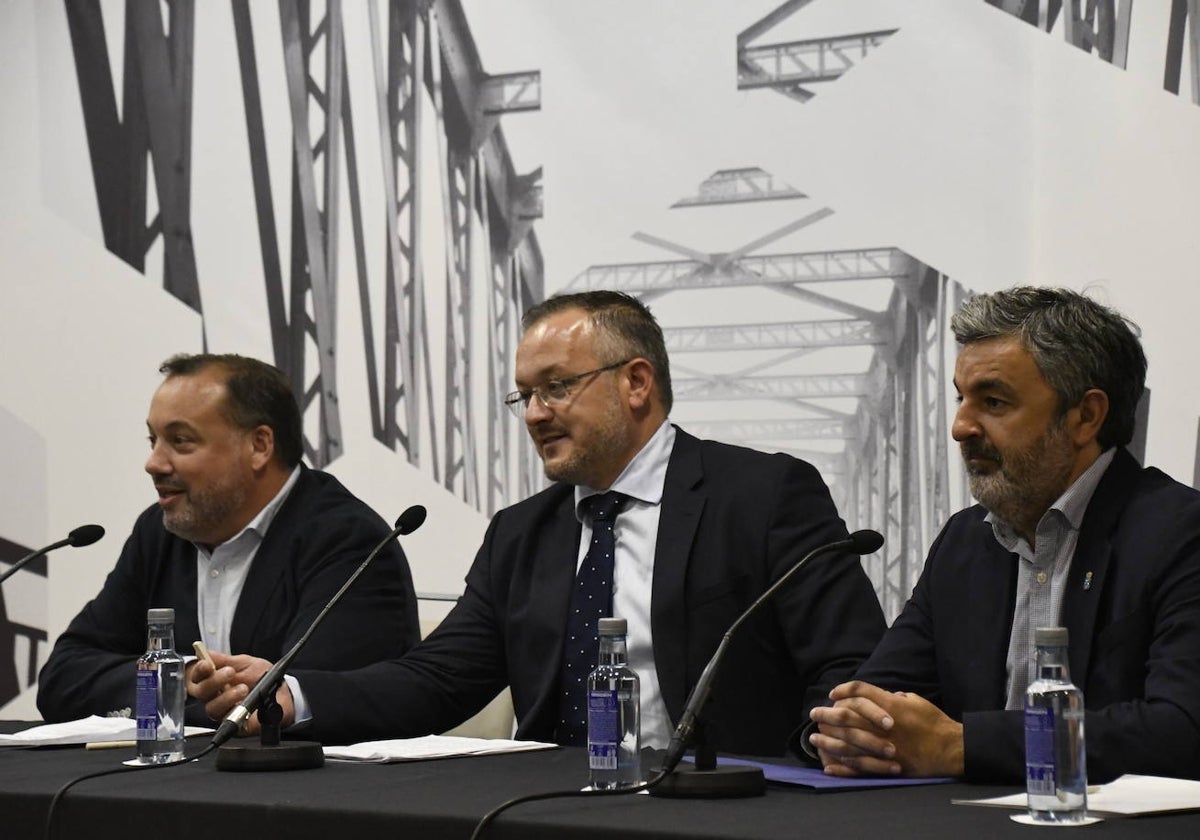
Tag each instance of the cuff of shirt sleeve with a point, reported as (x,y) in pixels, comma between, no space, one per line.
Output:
(303,714)
(800,745)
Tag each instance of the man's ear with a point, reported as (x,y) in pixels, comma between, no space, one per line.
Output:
(1088,416)
(639,374)
(262,446)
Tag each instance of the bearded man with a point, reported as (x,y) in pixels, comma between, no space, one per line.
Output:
(1069,531)
(245,543)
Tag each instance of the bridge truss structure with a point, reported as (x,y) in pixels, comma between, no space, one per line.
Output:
(886,460)
(425,69)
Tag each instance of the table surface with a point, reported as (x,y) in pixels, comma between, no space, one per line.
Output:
(445,799)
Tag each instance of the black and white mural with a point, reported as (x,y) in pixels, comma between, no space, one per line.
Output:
(369,193)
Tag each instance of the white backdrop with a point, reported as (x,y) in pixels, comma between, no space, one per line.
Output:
(983,147)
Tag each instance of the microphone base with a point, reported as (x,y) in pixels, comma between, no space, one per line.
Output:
(255,757)
(727,781)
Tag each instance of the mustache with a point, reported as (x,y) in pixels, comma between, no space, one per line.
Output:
(975,449)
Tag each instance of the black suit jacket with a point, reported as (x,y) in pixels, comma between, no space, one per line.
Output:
(732,521)
(319,536)
(1134,632)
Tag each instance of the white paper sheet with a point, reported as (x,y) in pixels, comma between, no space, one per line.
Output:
(1127,796)
(430,746)
(89,730)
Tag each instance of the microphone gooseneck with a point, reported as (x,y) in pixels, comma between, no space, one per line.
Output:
(860,542)
(409,521)
(81,536)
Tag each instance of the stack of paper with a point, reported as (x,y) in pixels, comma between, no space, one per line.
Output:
(431,746)
(88,730)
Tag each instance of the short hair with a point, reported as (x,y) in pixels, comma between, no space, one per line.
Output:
(1076,343)
(625,329)
(257,394)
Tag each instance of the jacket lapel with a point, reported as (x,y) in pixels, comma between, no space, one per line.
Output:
(989,607)
(550,598)
(270,563)
(1089,565)
(682,503)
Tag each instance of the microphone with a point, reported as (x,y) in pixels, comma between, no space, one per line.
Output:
(409,521)
(860,542)
(81,536)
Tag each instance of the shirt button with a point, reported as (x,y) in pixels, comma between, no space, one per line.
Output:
(1041,577)
(214,573)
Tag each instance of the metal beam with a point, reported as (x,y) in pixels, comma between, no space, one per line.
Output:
(805,62)
(767,270)
(460,181)
(154,127)
(315,162)
(779,430)
(805,387)
(736,186)
(510,93)
(775,336)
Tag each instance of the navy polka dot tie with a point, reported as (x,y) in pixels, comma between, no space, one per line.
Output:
(591,600)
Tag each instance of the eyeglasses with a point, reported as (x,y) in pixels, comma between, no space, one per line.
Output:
(555,392)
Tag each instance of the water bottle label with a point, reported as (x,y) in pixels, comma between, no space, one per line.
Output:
(146,703)
(602,756)
(1039,750)
(604,729)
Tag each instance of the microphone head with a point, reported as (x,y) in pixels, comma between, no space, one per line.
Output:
(410,520)
(866,541)
(84,535)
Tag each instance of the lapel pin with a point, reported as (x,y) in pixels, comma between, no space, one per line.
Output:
(1087,581)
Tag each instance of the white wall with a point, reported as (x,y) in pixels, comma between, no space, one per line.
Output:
(974,142)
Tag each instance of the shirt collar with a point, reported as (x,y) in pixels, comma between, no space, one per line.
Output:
(644,476)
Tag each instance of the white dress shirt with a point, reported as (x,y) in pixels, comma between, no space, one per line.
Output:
(636,532)
(221,575)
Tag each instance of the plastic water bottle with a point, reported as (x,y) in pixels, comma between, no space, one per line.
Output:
(1055,754)
(614,713)
(160,693)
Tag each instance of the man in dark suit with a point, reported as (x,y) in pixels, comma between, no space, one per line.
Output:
(1070,531)
(701,530)
(245,543)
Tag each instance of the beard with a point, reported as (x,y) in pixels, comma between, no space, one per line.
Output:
(592,451)
(1023,483)
(204,512)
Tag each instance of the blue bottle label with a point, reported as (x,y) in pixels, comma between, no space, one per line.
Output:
(604,729)
(1039,750)
(146,704)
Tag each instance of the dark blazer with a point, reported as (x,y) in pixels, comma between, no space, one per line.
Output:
(1134,632)
(732,521)
(318,538)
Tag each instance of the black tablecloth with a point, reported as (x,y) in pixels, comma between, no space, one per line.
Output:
(445,798)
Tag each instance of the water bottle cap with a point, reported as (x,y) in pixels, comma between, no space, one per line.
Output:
(160,615)
(1050,636)
(613,627)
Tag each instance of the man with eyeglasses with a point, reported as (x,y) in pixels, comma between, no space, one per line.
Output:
(678,535)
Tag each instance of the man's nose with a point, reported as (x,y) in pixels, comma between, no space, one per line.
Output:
(156,463)
(965,425)
(536,411)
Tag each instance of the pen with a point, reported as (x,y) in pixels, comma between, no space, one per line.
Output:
(202,653)
(108,745)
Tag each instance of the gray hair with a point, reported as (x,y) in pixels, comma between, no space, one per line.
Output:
(1076,343)
(624,326)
